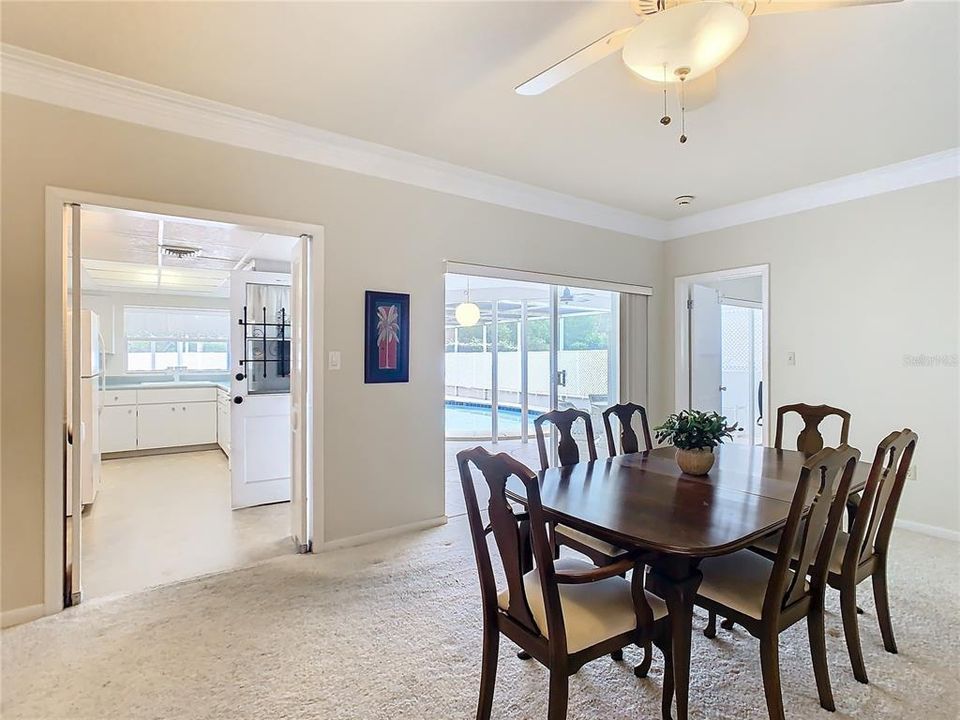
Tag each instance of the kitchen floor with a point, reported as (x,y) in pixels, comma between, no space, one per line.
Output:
(163,518)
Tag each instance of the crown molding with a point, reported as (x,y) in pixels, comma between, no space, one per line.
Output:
(58,82)
(918,171)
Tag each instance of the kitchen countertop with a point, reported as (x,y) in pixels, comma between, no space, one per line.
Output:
(164,385)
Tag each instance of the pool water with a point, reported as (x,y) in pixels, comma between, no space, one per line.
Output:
(464,420)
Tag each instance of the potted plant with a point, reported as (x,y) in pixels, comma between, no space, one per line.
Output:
(695,434)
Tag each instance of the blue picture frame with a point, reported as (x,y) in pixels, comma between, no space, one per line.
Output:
(386,337)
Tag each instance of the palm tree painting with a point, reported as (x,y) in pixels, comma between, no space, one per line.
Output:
(388,336)
(386,330)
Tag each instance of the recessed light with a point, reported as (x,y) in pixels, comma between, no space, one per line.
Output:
(683,200)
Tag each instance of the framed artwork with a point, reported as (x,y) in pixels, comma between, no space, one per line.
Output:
(387,337)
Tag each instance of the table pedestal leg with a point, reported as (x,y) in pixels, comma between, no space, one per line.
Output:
(676,581)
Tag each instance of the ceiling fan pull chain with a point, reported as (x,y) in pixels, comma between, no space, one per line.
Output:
(665,120)
(683,113)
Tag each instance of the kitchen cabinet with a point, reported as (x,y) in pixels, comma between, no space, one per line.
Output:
(118,428)
(144,419)
(198,423)
(158,425)
(223,421)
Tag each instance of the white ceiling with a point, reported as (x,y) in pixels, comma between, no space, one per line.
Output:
(809,97)
(120,252)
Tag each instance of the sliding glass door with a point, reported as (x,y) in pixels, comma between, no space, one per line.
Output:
(515,350)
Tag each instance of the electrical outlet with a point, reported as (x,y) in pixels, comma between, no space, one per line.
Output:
(333,360)
(791,358)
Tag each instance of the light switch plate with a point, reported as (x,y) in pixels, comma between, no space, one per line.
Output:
(333,360)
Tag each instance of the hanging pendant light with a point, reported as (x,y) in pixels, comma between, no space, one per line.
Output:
(467,313)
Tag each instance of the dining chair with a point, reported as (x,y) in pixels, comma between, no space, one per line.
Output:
(810,441)
(600,552)
(568,452)
(768,596)
(862,553)
(629,442)
(564,613)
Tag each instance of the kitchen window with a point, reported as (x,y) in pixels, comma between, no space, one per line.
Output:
(158,339)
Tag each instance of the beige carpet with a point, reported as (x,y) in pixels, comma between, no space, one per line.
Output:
(393,631)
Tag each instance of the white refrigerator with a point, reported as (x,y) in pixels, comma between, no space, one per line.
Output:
(91,370)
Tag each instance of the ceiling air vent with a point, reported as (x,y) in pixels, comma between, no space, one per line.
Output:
(180,251)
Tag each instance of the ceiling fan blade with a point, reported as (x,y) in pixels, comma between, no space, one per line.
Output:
(753,8)
(572,64)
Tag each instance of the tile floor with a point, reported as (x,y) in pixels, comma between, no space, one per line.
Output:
(163,518)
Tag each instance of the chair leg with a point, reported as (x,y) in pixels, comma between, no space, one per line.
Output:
(488,674)
(524,655)
(883,606)
(851,630)
(617,655)
(665,645)
(643,668)
(818,653)
(559,683)
(710,631)
(770,667)
(728,624)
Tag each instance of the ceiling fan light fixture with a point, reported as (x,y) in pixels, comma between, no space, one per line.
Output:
(698,36)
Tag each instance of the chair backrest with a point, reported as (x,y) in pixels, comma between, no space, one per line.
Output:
(629,442)
(870,534)
(511,539)
(827,475)
(567,449)
(810,440)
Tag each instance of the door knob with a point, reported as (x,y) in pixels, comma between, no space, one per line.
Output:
(238,399)
(239,376)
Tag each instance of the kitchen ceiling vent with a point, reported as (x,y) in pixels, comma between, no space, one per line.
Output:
(180,251)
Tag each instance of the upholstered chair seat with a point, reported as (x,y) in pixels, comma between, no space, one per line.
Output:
(592,612)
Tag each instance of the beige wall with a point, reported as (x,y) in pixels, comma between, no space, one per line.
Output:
(384,443)
(854,288)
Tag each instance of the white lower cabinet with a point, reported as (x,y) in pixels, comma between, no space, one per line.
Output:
(198,423)
(118,428)
(223,422)
(159,425)
(161,418)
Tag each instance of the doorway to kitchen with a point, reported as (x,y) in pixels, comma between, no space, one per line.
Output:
(188,348)
(722,326)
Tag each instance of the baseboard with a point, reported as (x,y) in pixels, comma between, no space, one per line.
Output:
(120,454)
(21,615)
(931,530)
(376,535)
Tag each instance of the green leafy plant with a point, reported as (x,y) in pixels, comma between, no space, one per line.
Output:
(693,430)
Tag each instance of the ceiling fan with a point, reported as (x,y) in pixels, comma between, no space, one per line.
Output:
(677,41)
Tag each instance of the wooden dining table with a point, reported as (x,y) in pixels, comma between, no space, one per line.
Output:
(643,501)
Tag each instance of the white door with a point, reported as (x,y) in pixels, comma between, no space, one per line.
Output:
(74,496)
(260,447)
(705,349)
(299,392)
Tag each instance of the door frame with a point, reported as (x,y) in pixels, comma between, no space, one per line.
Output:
(54,360)
(681,335)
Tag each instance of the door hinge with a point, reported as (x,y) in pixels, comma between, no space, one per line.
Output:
(689,303)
